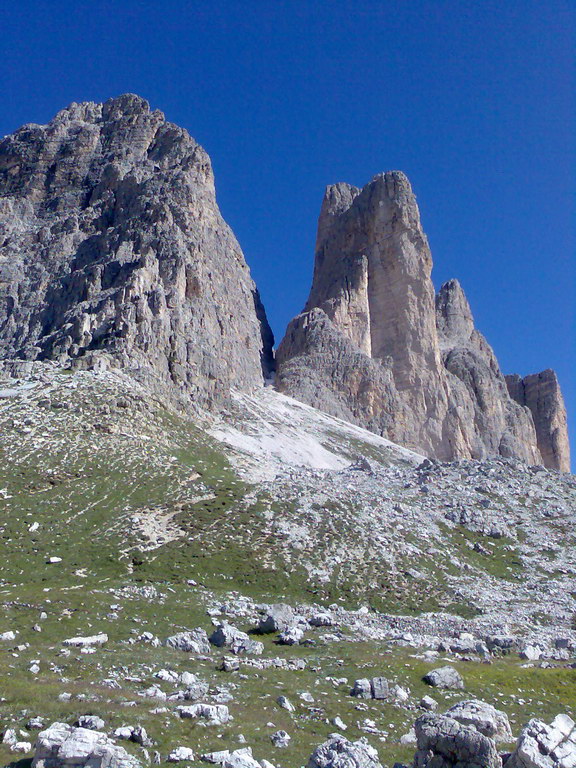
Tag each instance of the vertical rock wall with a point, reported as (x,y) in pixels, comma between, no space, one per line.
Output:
(541,393)
(376,345)
(113,252)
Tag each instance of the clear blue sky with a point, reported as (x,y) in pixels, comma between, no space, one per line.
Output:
(473,100)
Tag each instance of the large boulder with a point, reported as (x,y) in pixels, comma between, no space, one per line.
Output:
(65,746)
(241,758)
(193,641)
(546,746)
(238,642)
(278,618)
(378,688)
(213,714)
(443,742)
(484,717)
(362,688)
(444,677)
(338,752)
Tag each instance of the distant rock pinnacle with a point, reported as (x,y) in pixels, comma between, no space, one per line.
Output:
(540,392)
(374,345)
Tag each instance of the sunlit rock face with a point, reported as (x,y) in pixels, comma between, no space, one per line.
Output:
(375,345)
(541,393)
(113,252)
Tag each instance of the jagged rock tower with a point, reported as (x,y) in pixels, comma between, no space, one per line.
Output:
(540,392)
(375,346)
(113,252)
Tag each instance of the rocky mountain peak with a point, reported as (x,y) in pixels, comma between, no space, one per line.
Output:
(114,252)
(389,354)
(337,199)
(453,314)
(541,393)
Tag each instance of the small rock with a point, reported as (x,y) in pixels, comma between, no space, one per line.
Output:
(280,739)
(180,754)
(193,641)
(86,642)
(427,702)
(285,703)
(92,722)
(339,723)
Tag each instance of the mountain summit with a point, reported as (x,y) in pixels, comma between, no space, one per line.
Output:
(375,346)
(114,252)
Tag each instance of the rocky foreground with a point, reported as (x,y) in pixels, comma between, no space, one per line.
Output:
(465,736)
(271,586)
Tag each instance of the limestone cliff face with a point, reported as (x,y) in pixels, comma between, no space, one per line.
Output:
(541,393)
(113,252)
(490,418)
(375,345)
(373,262)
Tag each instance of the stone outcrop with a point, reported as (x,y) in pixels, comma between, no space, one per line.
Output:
(64,746)
(445,743)
(541,393)
(444,677)
(113,252)
(375,345)
(546,746)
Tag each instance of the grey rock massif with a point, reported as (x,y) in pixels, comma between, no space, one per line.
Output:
(375,345)
(113,252)
(541,393)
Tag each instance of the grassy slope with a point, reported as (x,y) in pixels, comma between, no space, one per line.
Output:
(81,471)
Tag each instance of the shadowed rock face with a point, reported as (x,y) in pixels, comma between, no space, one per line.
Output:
(113,252)
(541,393)
(376,346)
(478,389)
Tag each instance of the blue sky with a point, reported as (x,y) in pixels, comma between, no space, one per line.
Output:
(473,100)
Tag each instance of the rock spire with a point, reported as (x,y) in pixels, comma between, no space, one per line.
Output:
(375,345)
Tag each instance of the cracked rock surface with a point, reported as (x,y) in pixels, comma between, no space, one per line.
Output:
(374,344)
(113,253)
